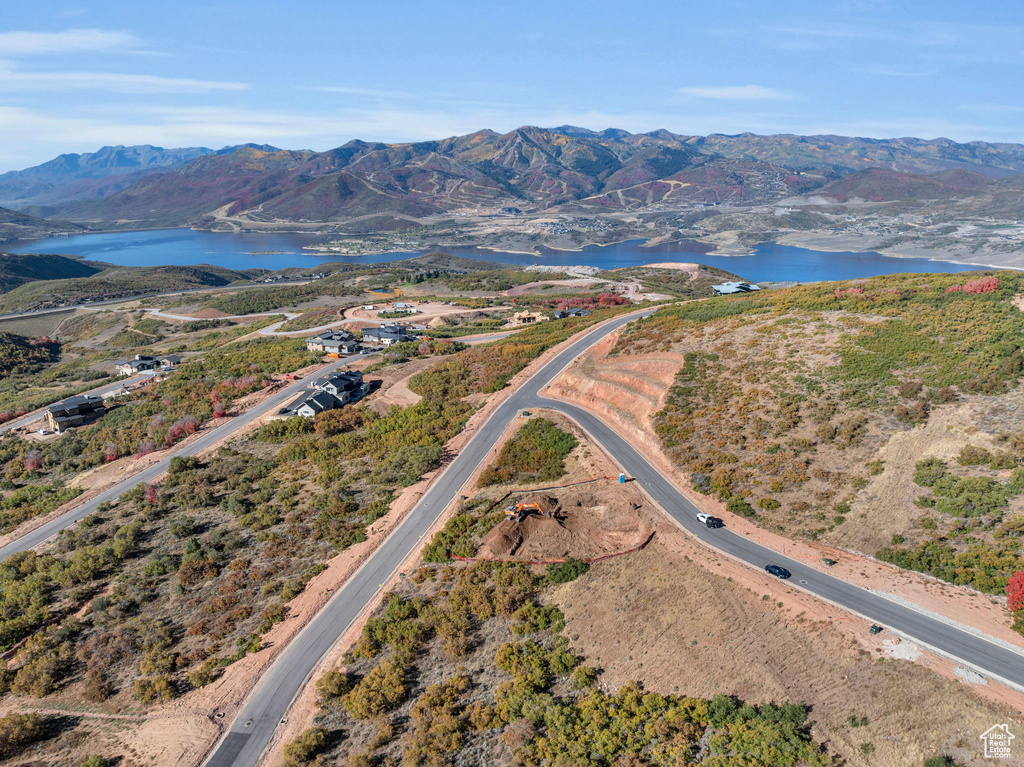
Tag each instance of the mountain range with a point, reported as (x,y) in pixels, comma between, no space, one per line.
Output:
(530,168)
(71,177)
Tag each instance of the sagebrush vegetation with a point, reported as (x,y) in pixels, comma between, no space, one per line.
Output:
(784,396)
(466,664)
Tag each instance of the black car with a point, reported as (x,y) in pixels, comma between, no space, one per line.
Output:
(777,571)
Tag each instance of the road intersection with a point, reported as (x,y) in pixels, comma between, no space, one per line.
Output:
(253,729)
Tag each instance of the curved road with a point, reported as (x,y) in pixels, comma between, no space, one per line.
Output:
(253,729)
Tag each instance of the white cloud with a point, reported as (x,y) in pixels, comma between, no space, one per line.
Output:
(68,41)
(13,79)
(383,94)
(736,93)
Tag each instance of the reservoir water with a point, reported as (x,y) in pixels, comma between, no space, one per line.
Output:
(770,261)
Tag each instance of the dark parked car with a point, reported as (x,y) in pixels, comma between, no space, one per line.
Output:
(778,572)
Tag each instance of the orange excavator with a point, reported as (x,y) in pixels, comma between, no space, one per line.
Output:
(520,511)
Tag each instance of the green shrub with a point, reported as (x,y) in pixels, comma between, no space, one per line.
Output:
(741,507)
(18,731)
(536,453)
(382,690)
(304,748)
(564,572)
(972,455)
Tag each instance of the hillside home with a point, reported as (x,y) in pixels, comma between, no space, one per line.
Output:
(311,403)
(143,362)
(386,335)
(727,288)
(346,385)
(74,411)
(519,319)
(333,342)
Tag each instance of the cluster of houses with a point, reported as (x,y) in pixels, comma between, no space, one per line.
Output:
(143,362)
(334,343)
(74,411)
(329,392)
(338,342)
(728,288)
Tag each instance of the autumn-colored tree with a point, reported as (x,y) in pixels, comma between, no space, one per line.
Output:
(33,461)
(1015,591)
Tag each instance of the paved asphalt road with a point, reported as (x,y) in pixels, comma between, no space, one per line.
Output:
(51,528)
(254,727)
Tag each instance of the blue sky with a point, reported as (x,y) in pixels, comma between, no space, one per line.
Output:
(317,74)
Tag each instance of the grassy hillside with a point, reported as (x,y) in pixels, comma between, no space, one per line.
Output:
(115,282)
(676,282)
(17,269)
(789,404)
(15,225)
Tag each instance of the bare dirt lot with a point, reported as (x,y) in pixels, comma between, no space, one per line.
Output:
(697,629)
(587,521)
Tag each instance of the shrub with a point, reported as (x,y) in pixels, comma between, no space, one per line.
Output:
(153,689)
(305,747)
(533,617)
(972,455)
(566,571)
(95,761)
(583,677)
(741,507)
(768,503)
(18,731)
(332,685)
(1015,592)
(382,690)
(536,453)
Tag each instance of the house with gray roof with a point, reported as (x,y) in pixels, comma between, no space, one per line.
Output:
(74,411)
(386,335)
(333,342)
(345,385)
(144,362)
(312,402)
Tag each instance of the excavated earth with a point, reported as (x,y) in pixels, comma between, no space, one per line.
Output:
(588,521)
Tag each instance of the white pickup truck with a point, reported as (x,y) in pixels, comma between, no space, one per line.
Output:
(710,521)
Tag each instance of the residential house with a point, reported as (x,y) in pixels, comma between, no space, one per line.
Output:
(333,342)
(311,403)
(526,318)
(727,288)
(74,411)
(143,362)
(386,335)
(135,366)
(346,385)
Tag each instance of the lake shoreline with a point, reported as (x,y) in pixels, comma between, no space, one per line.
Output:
(767,261)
